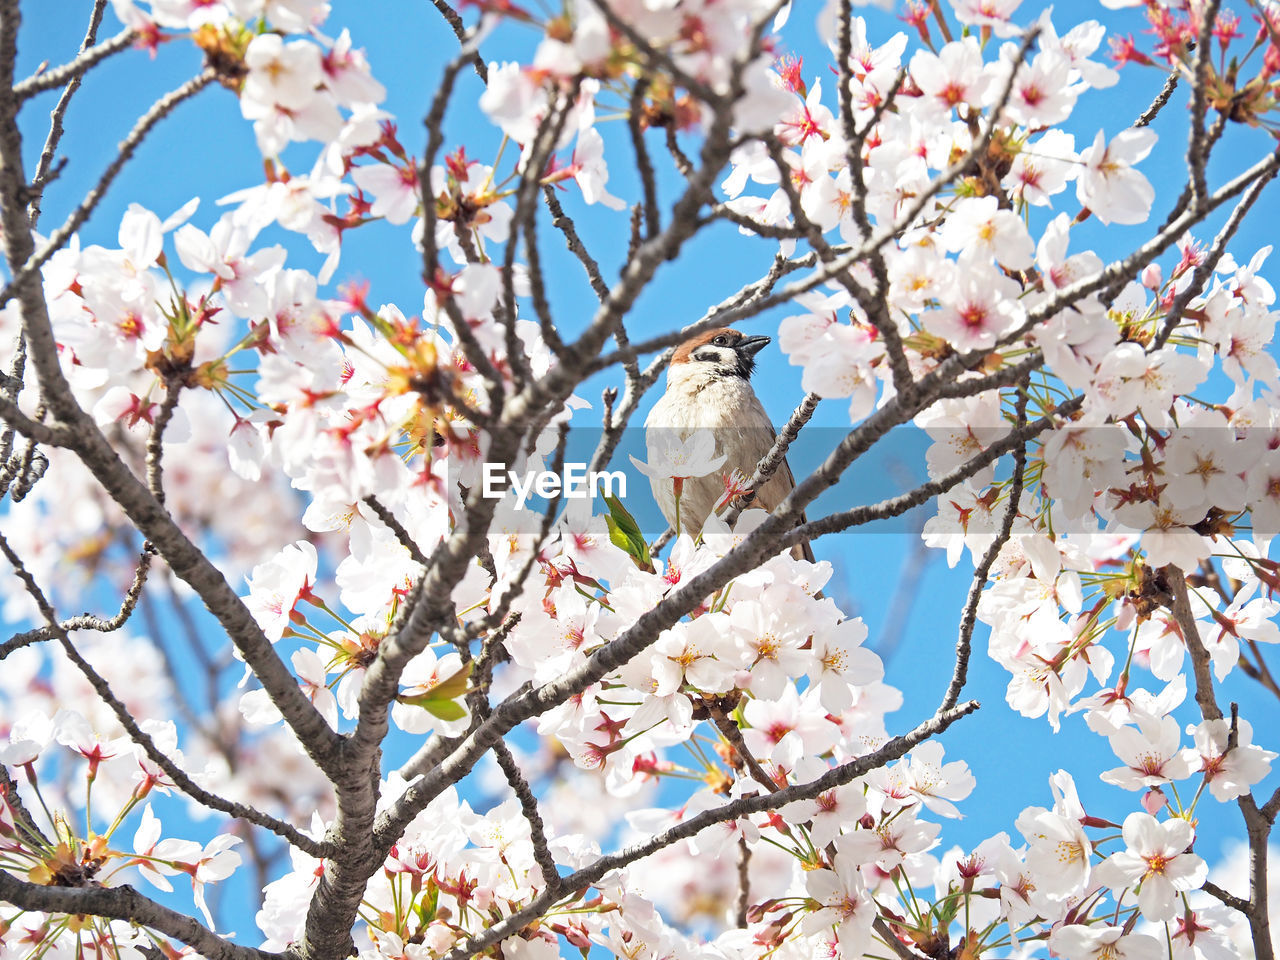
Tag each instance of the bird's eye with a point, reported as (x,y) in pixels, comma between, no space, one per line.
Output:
(721,341)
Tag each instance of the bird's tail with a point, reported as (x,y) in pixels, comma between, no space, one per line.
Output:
(803,551)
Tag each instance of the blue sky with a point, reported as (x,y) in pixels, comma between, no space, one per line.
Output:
(206,150)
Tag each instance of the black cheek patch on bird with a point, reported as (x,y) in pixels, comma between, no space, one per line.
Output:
(715,356)
(727,362)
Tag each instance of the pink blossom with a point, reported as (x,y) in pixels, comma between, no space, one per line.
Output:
(276,587)
(978,228)
(1230,771)
(1101,942)
(1156,862)
(1108,185)
(283,74)
(1151,754)
(953,76)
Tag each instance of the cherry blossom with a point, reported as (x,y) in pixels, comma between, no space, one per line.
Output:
(1080,942)
(842,903)
(1151,753)
(276,587)
(979,310)
(1230,772)
(953,76)
(1108,185)
(1157,862)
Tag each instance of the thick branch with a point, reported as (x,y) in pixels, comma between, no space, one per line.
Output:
(1257,823)
(126,903)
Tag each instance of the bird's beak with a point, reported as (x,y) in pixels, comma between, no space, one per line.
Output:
(753,345)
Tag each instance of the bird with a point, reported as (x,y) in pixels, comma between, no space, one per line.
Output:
(709,387)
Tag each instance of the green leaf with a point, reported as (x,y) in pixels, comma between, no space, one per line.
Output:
(625,533)
(446,710)
(441,700)
(427,904)
(456,685)
(946,911)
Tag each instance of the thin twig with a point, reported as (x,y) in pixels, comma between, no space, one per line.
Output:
(964,644)
(644,163)
(1205,268)
(434,124)
(88,621)
(733,736)
(139,736)
(455,24)
(532,163)
(1231,900)
(23,818)
(777,454)
(1161,100)
(44,166)
(76,69)
(396,527)
(1198,145)
(565,225)
(900,504)
(529,807)
(155,439)
(124,153)
(735,809)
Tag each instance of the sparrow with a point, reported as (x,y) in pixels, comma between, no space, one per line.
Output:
(709,387)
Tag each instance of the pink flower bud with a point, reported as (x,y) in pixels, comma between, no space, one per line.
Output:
(1153,801)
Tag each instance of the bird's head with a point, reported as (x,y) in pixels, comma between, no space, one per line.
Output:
(718,354)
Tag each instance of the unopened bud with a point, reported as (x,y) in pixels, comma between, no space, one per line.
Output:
(1153,800)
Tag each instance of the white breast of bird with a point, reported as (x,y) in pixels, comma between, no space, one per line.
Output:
(731,410)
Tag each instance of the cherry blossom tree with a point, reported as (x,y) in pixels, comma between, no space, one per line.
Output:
(419,720)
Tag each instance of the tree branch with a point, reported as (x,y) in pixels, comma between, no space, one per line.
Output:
(1161,100)
(126,903)
(455,24)
(44,166)
(140,736)
(124,153)
(1257,824)
(743,806)
(77,68)
(969,619)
